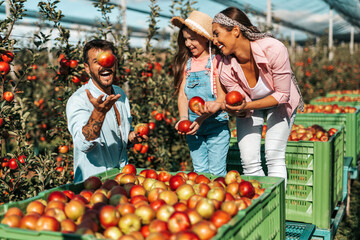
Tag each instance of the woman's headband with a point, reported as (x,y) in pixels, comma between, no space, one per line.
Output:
(252,33)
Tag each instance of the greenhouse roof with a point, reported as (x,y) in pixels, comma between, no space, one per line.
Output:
(303,19)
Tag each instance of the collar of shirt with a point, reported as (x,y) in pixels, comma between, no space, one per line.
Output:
(259,58)
(96,90)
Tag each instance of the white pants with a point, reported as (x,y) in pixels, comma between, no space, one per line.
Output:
(249,140)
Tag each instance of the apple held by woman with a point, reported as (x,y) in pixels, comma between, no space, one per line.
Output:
(233,98)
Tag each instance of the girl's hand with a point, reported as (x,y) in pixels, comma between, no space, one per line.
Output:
(177,128)
(194,127)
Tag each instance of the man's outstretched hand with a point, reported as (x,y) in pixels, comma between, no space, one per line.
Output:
(100,105)
(92,129)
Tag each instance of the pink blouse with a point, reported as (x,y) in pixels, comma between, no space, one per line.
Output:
(272,60)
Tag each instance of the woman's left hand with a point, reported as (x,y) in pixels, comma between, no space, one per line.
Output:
(211,107)
(238,110)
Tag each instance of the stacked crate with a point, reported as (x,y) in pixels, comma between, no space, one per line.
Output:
(315,177)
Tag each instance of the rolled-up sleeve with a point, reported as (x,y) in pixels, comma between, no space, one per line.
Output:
(78,115)
(281,73)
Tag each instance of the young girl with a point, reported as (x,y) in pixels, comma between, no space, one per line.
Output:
(195,74)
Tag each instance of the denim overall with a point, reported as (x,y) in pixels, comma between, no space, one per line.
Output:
(210,145)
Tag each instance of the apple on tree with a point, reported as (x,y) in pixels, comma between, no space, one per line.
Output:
(4,68)
(8,96)
(7,56)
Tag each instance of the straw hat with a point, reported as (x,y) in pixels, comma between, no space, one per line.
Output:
(199,22)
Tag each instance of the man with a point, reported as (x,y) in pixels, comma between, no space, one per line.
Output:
(99,118)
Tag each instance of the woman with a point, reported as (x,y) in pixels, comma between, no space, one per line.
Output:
(257,65)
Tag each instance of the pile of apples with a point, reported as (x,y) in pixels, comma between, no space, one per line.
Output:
(339,99)
(331,108)
(312,133)
(299,132)
(357,91)
(148,205)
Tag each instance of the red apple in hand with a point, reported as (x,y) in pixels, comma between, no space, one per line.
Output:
(233,98)
(184,126)
(142,129)
(196,103)
(106,59)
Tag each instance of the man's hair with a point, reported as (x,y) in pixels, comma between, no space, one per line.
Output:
(97,44)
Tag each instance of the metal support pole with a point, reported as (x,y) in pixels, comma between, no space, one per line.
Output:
(351,45)
(125,33)
(292,39)
(7,8)
(124,26)
(7,12)
(331,53)
(268,15)
(49,46)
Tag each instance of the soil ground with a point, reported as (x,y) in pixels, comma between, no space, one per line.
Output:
(349,227)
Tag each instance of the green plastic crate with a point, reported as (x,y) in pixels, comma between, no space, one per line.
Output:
(263,219)
(299,231)
(316,101)
(351,122)
(341,95)
(315,177)
(347,167)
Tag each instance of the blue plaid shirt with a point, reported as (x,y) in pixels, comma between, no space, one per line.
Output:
(109,149)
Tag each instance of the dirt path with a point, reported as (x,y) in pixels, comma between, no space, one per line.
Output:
(350,226)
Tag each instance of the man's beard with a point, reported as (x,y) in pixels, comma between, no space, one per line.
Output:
(96,78)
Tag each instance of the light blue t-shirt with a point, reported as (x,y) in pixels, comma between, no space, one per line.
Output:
(109,149)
